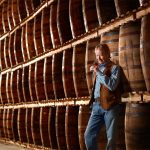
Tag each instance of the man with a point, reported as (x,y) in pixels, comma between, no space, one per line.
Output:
(105,99)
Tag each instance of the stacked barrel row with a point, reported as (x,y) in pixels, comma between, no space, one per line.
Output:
(52,27)
(66,74)
(12,12)
(53,127)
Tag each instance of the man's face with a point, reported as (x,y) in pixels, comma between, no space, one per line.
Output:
(101,56)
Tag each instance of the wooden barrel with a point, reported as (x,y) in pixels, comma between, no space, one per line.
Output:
(3,89)
(71,127)
(35,126)
(83,117)
(21,122)
(19,85)
(9,125)
(79,75)
(3,63)
(1,23)
(53,25)
(39,80)
(22,9)
(57,75)
(1,102)
(29,39)
(120,137)
(23,44)
(60,127)
(52,128)
(7,52)
(4,16)
(129,56)
(124,6)
(5,123)
(25,84)
(111,38)
(31,80)
(89,59)
(9,15)
(8,87)
(137,126)
(14,91)
(45,27)
(15,12)
(28,125)
(17,46)
(90,15)
(63,23)
(48,84)
(44,126)
(144,50)
(76,18)
(67,73)
(14,125)
(1,124)
(29,7)
(37,34)
(11,49)
(105,10)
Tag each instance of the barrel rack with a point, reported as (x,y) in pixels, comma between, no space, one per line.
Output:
(110,25)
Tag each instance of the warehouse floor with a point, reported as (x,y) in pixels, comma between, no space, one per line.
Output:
(6,146)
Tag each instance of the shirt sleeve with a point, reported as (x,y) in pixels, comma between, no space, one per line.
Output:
(110,82)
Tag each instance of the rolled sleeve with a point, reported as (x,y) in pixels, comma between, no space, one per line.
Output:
(110,82)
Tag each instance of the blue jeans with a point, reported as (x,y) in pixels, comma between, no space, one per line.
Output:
(99,117)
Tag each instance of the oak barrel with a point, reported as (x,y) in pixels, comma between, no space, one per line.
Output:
(31,80)
(90,15)
(123,6)
(29,7)
(28,125)
(17,46)
(5,123)
(1,124)
(144,50)
(9,121)
(48,84)
(3,89)
(67,74)
(22,9)
(3,63)
(30,39)
(137,126)
(25,84)
(57,75)
(7,52)
(35,126)
(52,128)
(14,125)
(39,80)
(44,126)
(105,10)
(79,72)
(37,34)
(21,122)
(76,18)
(60,127)
(129,56)
(71,127)
(53,25)
(45,29)
(63,23)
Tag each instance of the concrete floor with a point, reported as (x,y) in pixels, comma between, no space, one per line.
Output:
(7,146)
